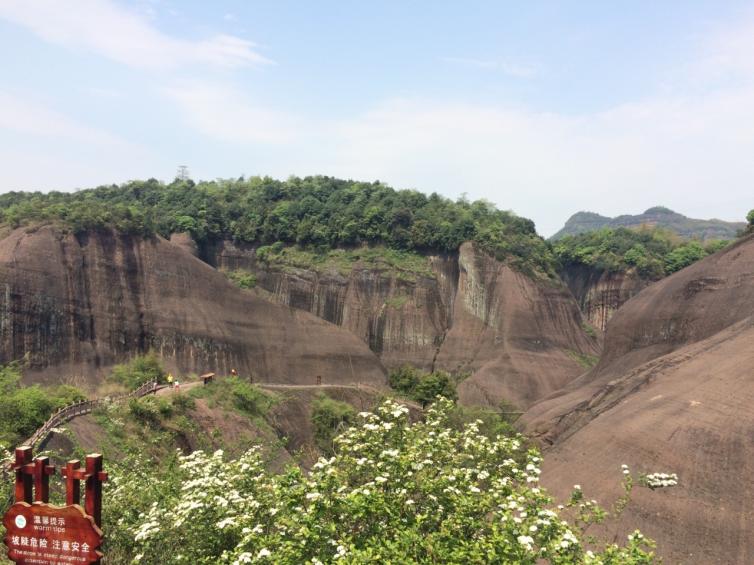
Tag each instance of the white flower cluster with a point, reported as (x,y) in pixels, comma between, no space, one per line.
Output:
(392,489)
(660,480)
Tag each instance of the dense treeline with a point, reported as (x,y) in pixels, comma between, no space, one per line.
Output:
(654,253)
(318,212)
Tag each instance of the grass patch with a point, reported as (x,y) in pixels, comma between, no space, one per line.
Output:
(408,264)
(233,393)
(397,302)
(589,329)
(584,359)
(242,279)
(151,426)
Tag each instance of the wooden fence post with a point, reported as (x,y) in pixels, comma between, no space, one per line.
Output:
(73,474)
(95,476)
(42,472)
(24,469)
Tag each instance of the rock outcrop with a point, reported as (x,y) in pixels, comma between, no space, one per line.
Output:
(673,392)
(520,338)
(77,305)
(402,318)
(600,293)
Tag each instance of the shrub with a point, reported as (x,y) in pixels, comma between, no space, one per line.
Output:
(393,492)
(145,410)
(248,398)
(242,279)
(24,409)
(139,370)
(328,415)
(421,386)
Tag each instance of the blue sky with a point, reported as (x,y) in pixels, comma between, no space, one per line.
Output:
(544,108)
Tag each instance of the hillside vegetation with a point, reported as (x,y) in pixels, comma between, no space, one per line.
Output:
(312,212)
(653,252)
(393,492)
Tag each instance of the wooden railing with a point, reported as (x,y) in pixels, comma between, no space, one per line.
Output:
(67,413)
(85,407)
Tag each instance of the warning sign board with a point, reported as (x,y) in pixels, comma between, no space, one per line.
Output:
(43,534)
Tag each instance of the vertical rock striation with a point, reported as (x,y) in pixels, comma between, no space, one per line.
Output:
(77,305)
(521,338)
(600,293)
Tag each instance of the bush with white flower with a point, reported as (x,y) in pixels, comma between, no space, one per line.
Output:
(660,480)
(394,492)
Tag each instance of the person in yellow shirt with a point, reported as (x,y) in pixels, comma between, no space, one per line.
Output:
(170,380)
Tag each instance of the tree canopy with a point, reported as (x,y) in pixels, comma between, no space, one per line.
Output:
(653,252)
(317,211)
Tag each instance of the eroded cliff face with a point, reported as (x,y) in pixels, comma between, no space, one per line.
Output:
(521,339)
(77,305)
(599,293)
(402,318)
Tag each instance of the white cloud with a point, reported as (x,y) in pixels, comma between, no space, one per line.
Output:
(224,114)
(22,115)
(506,67)
(124,36)
(676,151)
(691,153)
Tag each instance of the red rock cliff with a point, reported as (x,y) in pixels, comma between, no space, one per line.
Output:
(521,338)
(77,305)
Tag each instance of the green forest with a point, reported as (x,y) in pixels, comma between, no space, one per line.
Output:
(313,212)
(653,252)
(318,214)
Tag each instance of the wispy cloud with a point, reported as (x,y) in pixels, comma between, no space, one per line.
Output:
(223,113)
(548,165)
(22,115)
(124,36)
(506,67)
(44,148)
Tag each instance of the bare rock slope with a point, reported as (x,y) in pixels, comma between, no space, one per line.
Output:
(673,392)
(77,305)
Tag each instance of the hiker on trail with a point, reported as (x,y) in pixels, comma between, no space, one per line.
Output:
(233,373)
(170,380)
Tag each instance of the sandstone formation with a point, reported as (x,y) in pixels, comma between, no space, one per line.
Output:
(402,319)
(673,392)
(522,339)
(600,293)
(77,305)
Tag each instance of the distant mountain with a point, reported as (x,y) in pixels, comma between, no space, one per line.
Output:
(658,216)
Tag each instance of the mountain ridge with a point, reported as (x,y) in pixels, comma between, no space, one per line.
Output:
(656,216)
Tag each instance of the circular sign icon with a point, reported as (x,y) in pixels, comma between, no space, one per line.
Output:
(20,521)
